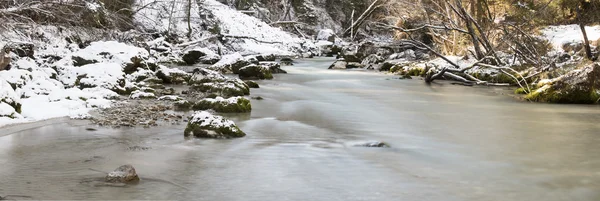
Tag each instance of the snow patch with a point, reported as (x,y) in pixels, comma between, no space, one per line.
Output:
(564,34)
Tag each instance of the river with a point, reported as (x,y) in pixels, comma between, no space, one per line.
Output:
(446,143)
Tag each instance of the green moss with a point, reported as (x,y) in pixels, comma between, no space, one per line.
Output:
(182,105)
(520,90)
(570,95)
(251,84)
(242,106)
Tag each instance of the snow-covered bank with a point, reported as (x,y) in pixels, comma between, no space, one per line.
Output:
(565,34)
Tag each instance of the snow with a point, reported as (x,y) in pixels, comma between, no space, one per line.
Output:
(221,100)
(170,98)
(203,118)
(564,34)
(234,23)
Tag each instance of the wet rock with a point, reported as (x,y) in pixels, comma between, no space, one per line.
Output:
(123,174)
(251,84)
(371,144)
(257,98)
(192,57)
(266,57)
(352,58)
(219,104)
(205,125)
(354,65)
(202,75)
(182,105)
(255,72)
(172,75)
(578,86)
(286,61)
(372,61)
(229,88)
(339,64)
(274,67)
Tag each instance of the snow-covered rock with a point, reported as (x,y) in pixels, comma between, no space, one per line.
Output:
(172,75)
(138,94)
(229,88)
(10,103)
(326,35)
(220,104)
(202,75)
(230,63)
(206,125)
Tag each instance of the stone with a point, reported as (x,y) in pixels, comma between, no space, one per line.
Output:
(251,84)
(80,61)
(286,61)
(351,58)
(123,174)
(206,125)
(192,57)
(23,50)
(203,75)
(219,104)
(339,64)
(229,88)
(255,72)
(274,67)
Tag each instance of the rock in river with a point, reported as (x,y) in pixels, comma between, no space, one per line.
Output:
(123,174)
(206,125)
(255,72)
(578,86)
(219,104)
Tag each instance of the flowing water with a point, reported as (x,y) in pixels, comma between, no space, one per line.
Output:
(446,143)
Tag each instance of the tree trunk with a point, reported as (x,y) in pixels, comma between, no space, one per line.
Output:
(586,45)
(189,19)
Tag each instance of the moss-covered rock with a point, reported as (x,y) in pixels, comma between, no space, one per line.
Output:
(225,89)
(219,104)
(205,125)
(172,75)
(253,71)
(580,86)
(274,67)
(182,105)
(251,84)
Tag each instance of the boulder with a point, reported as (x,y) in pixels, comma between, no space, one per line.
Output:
(182,105)
(172,75)
(220,104)
(80,61)
(200,55)
(192,57)
(251,84)
(350,57)
(274,67)
(253,71)
(326,35)
(286,61)
(266,57)
(354,65)
(339,64)
(229,88)
(579,86)
(203,75)
(372,61)
(123,174)
(206,125)
(230,63)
